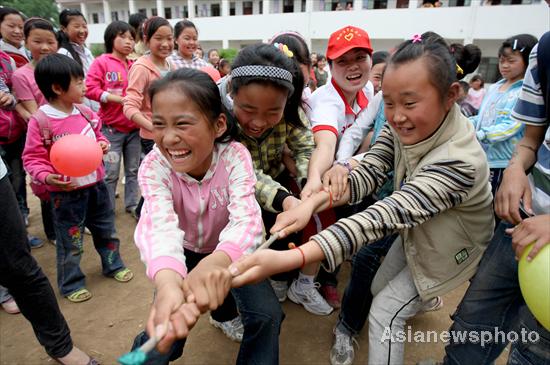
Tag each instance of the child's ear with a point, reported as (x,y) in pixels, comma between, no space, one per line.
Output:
(57,89)
(221,125)
(453,94)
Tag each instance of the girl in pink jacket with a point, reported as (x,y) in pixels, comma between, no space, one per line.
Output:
(200,215)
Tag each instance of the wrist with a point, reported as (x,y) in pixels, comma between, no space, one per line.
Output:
(344,163)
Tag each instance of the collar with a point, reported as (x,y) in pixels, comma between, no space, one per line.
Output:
(360,99)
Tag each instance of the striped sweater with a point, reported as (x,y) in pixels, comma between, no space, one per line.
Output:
(441,206)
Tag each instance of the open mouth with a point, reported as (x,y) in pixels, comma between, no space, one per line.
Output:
(179,155)
(354,77)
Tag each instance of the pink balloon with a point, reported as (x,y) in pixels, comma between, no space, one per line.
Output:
(212,72)
(76,155)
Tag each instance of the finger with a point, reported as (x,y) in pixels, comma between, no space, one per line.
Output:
(191,314)
(187,293)
(513,212)
(250,276)
(179,322)
(201,296)
(528,200)
(242,265)
(536,248)
(166,342)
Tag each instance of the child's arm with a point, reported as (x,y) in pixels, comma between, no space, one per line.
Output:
(27,100)
(35,156)
(321,160)
(96,84)
(135,93)
(7,100)
(504,126)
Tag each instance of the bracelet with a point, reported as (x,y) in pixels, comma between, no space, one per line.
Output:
(293,246)
(330,197)
(344,163)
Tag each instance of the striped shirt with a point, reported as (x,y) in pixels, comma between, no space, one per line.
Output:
(180,62)
(530,110)
(437,187)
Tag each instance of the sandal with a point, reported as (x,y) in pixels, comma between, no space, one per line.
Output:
(124,275)
(64,360)
(79,296)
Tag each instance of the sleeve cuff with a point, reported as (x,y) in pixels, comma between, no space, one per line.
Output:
(103,97)
(480,135)
(231,249)
(165,262)
(278,200)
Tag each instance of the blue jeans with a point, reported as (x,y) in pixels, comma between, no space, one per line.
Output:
(125,146)
(72,211)
(357,296)
(262,316)
(493,302)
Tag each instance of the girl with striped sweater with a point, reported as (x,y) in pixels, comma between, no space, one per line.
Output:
(440,207)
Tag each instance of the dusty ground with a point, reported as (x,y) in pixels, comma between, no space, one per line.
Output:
(106,325)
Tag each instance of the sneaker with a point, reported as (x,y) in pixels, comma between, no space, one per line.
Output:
(330,293)
(432,305)
(310,298)
(233,329)
(342,352)
(280,288)
(87,231)
(35,242)
(10,306)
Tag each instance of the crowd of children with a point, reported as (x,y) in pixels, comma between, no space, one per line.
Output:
(213,167)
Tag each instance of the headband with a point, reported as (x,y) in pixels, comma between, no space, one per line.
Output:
(262,71)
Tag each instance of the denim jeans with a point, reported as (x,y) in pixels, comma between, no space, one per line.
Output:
(26,282)
(262,316)
(125,146)
(493,302)
(73,210)
(357,296)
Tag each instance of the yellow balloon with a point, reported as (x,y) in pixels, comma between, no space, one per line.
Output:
(534,281)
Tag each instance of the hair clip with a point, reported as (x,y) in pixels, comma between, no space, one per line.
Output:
(284,48)
(459,70)
(417,38)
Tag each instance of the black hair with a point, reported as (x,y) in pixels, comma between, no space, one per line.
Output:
(445,64)
(65,18)
(267,55)
(296,44)
(181,25)
(477,77)
(37,23)
(199,87)
(56,69)
(321,57)
(465,86)
(522,43)
(136,21)
(5,11)
(113,30)
(212,50)
(153,24)
(380,57)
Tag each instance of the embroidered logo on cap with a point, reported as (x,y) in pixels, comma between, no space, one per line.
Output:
(348,34)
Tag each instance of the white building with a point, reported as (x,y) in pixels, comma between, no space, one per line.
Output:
(234,24)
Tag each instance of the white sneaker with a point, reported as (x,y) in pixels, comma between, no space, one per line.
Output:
(309,297)
(233,329)
(280,288)
(342,352)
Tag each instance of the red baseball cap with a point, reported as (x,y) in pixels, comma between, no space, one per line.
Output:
(345,39)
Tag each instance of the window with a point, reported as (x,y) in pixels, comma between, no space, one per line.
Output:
(143,11)
(154,12)
(95,18)
(232,10)
(261,7)
(247,8)
(401,4)
(114,15)
(288,6)
(168,13)
(215,10)
(383,4)
(303,6)
(185,12)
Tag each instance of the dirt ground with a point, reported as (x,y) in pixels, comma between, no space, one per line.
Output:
(105,325)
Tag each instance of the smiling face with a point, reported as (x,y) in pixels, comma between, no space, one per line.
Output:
(351,70)
(183,134)
(376,76)
(413,105)
(124,43)
(187,42)
(11,29)
(161,43)
(511,65)
(213,57)
(77,30)
(74,94)
(40,43)
(259,107)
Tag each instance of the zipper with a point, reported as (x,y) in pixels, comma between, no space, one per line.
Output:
(201,212)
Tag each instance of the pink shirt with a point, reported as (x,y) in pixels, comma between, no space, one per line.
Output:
(25,86)
(218,213)
(109,75)
(36,159)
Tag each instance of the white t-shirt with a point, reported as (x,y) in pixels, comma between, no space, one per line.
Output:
(330,111)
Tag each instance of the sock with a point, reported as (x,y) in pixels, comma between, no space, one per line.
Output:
(305,281)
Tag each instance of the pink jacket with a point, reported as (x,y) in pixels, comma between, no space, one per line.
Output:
(142,74)
(36,159)
(11,127)
(109,75)
(220,212)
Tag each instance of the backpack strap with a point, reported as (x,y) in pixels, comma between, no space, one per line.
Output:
(85,112)
(44,128)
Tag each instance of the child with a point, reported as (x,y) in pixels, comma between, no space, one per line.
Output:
(78,202)
(11,34)
(321,75)
(213,58)
(107,82)
(441,205)
(72,38)
(186,35)
(497,132)
(379,60)
(224,67)
(41,41)
(200,214)
(136,20)
(476,93)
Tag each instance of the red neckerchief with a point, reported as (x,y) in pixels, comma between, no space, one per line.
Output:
(360,99)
